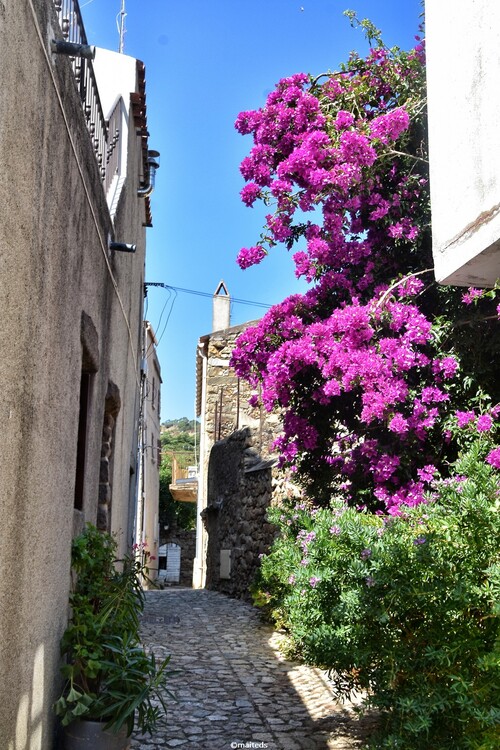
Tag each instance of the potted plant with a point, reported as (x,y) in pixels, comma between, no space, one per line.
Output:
(111,683)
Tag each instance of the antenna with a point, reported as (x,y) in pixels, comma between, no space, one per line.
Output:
(120,22)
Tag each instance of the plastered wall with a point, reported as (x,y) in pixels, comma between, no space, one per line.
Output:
(54,270)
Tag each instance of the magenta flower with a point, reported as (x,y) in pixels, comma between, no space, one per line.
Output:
(250,256)
(410,287)
(250,193)
(464,417)
(484,423)
(344,119)
(398,424)
(471,294)
(388,127)
(355,349)
(493,458)
(426,474)
(313,581)
(396,230)
(447,366)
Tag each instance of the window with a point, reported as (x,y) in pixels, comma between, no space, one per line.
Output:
(81,451)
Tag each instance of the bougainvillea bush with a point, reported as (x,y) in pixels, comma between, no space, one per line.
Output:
(405,608)
(383,379)
(370,363)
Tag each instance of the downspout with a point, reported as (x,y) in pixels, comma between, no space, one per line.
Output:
(139,531)
(199,568)
(153,165)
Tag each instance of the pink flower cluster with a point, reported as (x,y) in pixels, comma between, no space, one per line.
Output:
(357,355)
(251,256)
(353,363)
(302,160)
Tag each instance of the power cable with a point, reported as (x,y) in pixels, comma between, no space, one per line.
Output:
(205,294)
(168,317)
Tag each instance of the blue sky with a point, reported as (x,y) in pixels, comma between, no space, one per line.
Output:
(207,60)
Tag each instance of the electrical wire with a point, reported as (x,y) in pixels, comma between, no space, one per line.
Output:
(207,294)
(168,317)
(155,342)
(157,328)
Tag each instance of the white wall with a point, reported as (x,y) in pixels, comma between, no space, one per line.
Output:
(463,55)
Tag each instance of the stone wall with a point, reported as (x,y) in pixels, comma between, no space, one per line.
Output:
(227,408)
(239,493)
(223,404)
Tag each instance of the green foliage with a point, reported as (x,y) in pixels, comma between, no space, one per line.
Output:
(405,608)
(109,676)
(183,428)
(183,515)
(180,438)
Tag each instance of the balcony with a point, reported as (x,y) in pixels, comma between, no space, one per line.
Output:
(72,29)
(111,79)
(184,486)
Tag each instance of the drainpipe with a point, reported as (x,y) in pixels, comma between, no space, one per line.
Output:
(199,567)
(139,519)
(153,165)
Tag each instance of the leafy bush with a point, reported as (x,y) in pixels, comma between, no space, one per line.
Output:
(109,675)
(405,608)
(179,439)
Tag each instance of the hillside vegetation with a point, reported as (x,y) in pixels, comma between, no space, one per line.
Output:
(178,437)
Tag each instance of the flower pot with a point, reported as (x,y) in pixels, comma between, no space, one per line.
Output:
(91,735)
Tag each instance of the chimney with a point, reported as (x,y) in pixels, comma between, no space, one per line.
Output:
(221,308)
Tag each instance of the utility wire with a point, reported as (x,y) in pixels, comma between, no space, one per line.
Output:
(205,294)
(168,317)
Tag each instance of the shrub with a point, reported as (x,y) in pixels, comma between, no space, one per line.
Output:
(404,608)
(109,676)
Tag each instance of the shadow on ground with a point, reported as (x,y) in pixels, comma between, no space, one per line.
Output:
(233,689)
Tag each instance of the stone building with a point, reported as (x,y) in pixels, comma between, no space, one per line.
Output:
(75,181)
(239,492)
(147,525)
(222,405)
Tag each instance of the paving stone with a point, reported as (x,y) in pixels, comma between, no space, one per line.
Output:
(233,686)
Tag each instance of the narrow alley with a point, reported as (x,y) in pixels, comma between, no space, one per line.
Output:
(233,688)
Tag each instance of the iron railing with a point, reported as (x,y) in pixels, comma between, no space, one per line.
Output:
(113,154)
(104,136)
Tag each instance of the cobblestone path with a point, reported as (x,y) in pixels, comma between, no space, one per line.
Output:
(233,689)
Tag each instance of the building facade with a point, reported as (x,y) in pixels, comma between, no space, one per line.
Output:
(463,70)
(147,525)
(74,196)
(222,404)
